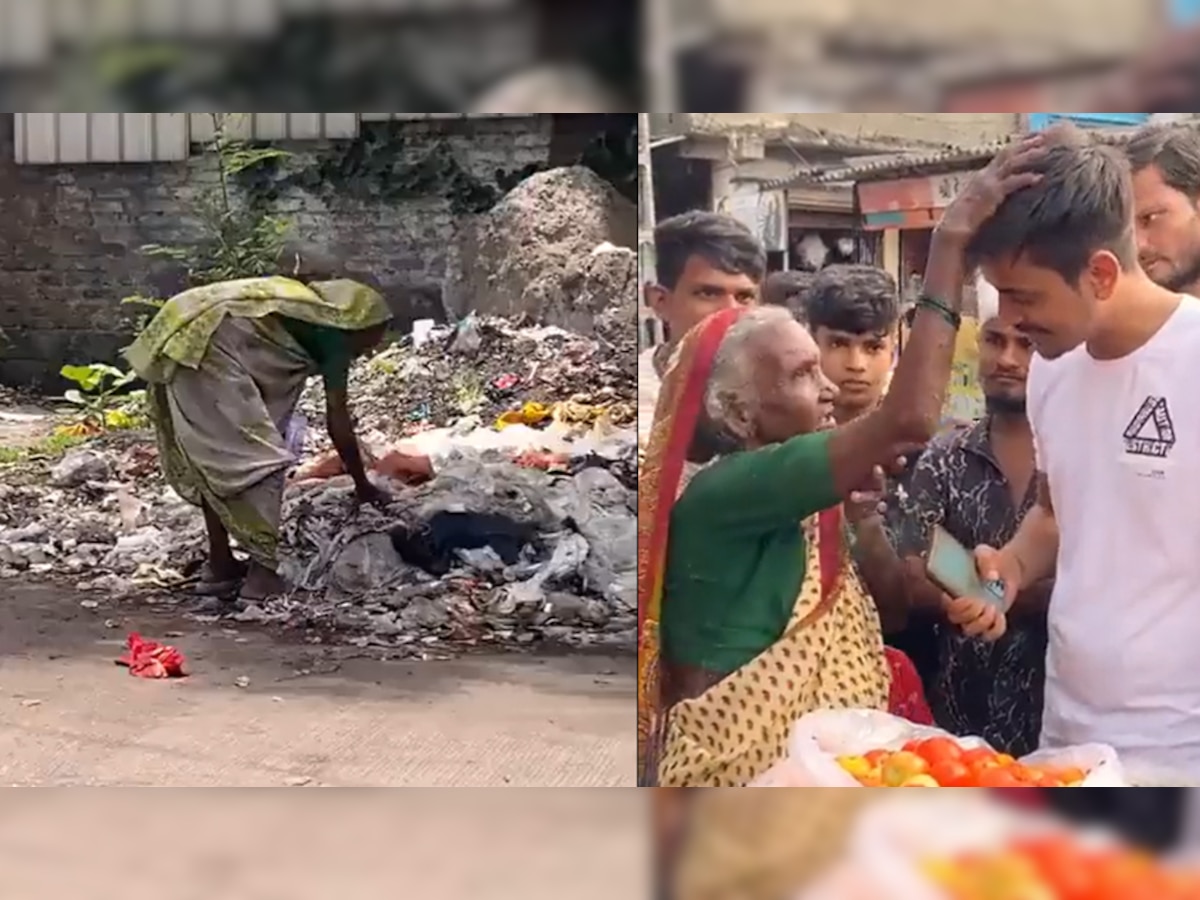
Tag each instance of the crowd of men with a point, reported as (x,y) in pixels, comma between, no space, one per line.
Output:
(1077,483)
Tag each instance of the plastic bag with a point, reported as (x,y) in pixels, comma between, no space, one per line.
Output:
(297,428)
(1101,762)
(820,737)
(895,836)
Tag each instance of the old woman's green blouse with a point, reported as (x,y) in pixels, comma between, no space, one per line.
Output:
(736,554)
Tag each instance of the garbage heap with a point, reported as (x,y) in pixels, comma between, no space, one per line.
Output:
(471,374)
(519,527)
(526,532)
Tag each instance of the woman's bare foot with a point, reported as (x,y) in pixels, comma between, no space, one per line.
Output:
(261,583)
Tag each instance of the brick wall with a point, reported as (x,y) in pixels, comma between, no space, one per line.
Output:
(69,236)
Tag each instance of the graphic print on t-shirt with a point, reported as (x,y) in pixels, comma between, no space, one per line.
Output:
(1150,432)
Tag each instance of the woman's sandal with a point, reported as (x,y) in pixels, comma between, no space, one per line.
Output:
(260,598)
(252,591)
(228,588)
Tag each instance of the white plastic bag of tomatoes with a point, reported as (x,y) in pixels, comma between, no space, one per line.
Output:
(909,848)
(897,833)
(819,738)
(900,835)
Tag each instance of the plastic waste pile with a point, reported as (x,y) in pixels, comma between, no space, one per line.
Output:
(486,371)
(525,532)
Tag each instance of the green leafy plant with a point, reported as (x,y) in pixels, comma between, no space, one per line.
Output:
(99,402)
(241,237)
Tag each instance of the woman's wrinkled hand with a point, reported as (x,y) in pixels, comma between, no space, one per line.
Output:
(897,466)
(406,467)
(869,501)
(375,496)
(1007,173)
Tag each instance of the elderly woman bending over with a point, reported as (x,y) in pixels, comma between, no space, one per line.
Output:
(762,616)
(226,364)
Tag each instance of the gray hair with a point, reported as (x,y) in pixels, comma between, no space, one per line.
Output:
(730,386)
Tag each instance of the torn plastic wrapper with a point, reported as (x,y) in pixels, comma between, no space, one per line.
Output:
(150,659)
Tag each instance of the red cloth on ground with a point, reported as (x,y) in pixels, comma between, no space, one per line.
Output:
(150,659)
(907,698)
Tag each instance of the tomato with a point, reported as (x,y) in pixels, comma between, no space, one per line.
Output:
(877,757)
(1023,774)
(1046,780)
(1124,887)
(1071,776)
(938,750)
(952,773)
(979,756)
(1179,885)
(1064,867)
(901,766)
(996,777)
(1106,875)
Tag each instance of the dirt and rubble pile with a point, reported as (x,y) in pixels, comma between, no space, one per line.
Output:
(556,249)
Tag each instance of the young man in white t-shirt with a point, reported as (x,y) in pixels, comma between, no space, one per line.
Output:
(1117,437)
(705,262)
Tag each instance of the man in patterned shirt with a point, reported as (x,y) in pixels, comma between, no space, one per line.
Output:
(977,482)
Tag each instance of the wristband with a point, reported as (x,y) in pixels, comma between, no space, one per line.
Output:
(949,316)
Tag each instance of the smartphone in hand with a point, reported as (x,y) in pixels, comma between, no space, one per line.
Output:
(951,566)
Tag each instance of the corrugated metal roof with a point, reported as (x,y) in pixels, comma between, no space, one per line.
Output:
(61,138)
(910,165)
(952,159)
(276,126)
(791,129)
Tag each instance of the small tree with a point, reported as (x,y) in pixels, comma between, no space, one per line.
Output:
(240,237)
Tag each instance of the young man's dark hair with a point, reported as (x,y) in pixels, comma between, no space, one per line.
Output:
(1166,197)
(1174,150)
(853,311)
(853,299)
(722,241)
(705,262)
(1083,203)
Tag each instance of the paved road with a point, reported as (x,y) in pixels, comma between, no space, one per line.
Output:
(305,715)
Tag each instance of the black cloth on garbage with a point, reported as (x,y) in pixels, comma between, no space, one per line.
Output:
(431,544)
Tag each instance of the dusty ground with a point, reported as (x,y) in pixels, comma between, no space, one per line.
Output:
(23,426)
(265,710)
